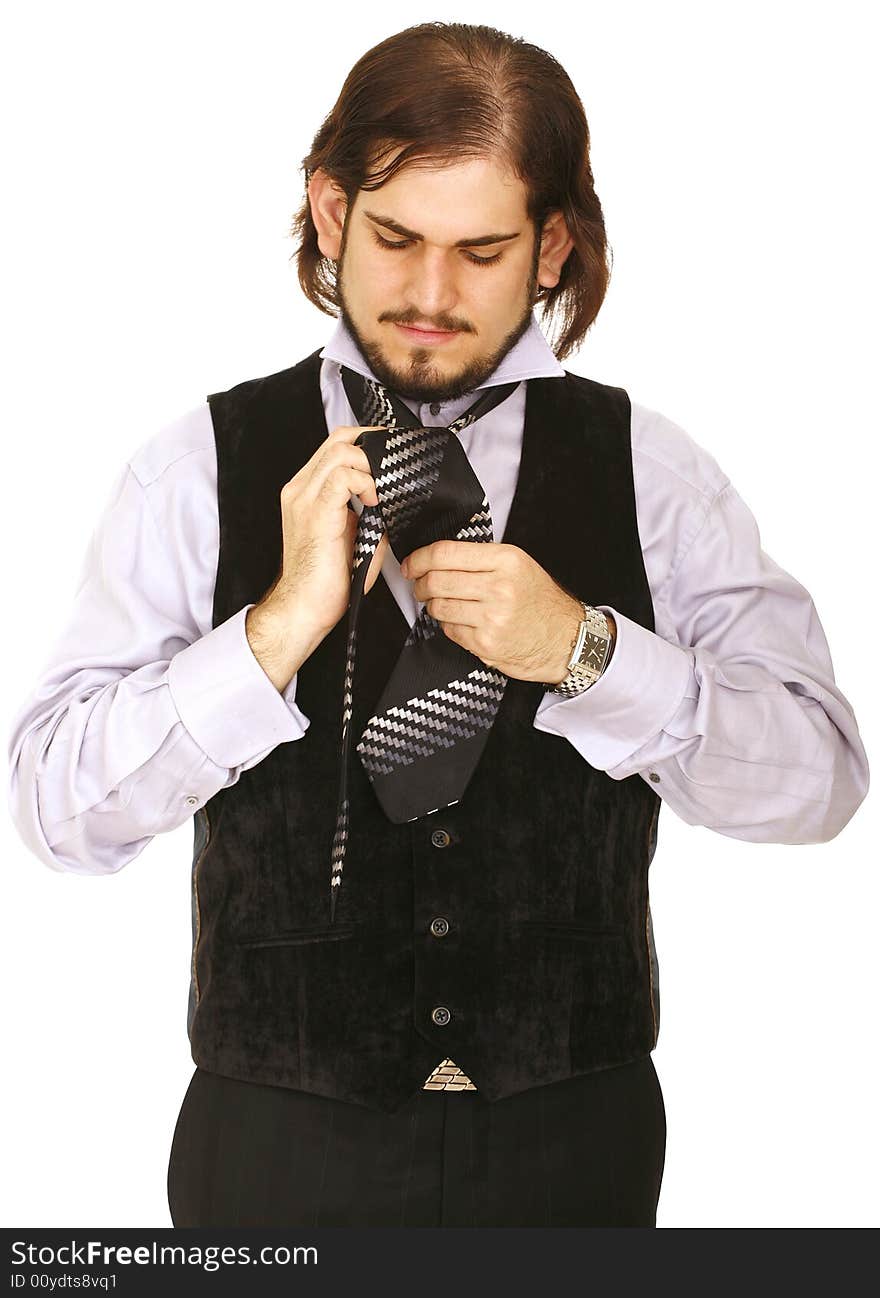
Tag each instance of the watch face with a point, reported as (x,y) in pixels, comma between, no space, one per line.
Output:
(593,651)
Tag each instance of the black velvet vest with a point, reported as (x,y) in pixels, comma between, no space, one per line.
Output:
(548,966)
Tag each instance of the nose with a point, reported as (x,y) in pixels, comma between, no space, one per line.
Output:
(432,291)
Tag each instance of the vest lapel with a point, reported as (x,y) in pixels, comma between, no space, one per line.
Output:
(547,517)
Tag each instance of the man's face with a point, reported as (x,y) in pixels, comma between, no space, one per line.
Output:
(429,278)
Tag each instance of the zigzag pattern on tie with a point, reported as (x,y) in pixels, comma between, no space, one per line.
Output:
(439,720)
(368,536)
(377,409)
(480,526)
(415,485)
(423,628)
(410,467)
(340,842)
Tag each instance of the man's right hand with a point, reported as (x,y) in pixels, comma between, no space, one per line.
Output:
(313,588)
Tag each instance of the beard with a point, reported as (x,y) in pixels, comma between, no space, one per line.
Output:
(420,379)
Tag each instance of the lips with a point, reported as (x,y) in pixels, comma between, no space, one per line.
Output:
(427,335)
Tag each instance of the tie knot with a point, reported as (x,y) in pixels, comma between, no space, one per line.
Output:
(375,404)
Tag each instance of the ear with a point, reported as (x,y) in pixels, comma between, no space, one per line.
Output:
(328,203)
(556,244)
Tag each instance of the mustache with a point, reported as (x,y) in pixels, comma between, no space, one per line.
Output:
(414,321)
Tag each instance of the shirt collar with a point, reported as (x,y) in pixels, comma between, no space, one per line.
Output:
(531,357)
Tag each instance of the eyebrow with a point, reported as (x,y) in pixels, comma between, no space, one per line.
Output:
(480,241)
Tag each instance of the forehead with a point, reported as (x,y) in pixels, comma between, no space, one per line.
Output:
(451,200)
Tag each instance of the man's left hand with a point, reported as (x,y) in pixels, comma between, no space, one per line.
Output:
(498,603)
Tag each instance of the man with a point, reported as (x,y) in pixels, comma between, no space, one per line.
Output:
(424,981)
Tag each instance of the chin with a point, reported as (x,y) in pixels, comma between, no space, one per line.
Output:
(416,351)
(414,362)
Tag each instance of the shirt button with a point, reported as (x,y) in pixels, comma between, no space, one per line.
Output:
(191,800)
(440,926)
(435,407)
(654,776)
(441,1016)
(440,838)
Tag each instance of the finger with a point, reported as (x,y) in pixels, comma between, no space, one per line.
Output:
(341,452)
(351,432)
(447,583)
(464,612)
(459,633)
(341,482)
(336,450)
(465,556)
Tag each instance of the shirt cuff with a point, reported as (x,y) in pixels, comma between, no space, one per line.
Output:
(639,691)
(225,699)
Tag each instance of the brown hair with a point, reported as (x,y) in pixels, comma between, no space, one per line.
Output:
(446,91)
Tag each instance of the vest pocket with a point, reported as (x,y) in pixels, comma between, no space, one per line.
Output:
(299,936)
(570,929)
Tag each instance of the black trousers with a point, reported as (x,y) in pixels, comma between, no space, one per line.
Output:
(588,1151)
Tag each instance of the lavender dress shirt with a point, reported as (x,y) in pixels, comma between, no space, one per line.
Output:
(143,710)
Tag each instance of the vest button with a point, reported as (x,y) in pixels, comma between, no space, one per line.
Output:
(441,1016)
(440,926)
(654,776)
(440,838)
(435,407)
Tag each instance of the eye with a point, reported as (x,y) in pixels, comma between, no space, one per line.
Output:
(405,243)
(387,243)
(482,261)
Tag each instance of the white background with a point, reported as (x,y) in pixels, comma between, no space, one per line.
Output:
(151,168)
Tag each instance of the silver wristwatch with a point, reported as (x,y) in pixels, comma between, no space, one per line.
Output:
(589,655)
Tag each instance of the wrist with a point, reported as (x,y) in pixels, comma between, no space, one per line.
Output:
(570,635)
(569,638)
(281,638)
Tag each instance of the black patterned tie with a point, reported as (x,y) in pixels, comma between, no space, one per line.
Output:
(432,721)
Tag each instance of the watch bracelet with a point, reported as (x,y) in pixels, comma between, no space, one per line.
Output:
(593,620)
